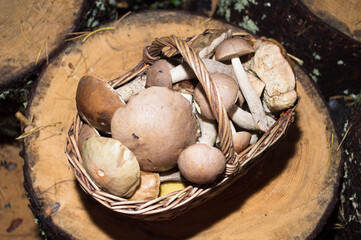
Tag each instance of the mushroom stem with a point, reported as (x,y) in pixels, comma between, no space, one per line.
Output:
(208,130)
(131,88)
(253,101)
(245,119)
(170,176)
(185,72)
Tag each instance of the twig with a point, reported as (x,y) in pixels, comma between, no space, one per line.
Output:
(39,53)
(25,38)
(22,118)
(95,31)
(35,129)
(299,61)
(329,159)
(202,24)
(344,137)
(120,19)
(76,69)
(62,181)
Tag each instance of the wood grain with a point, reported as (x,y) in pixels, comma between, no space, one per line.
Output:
(30,32)
(344,16)
(288,195)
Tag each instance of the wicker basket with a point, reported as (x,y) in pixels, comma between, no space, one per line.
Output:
(177,203)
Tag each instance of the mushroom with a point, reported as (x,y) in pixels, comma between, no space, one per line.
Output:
(132,87)
(241,140)
(228,90)
(150,184)
(160,74)
(232,49)
(86,131)
(111,165)
(148,188)
(208,130)
(206,43)
(96,102)
(201,163)
(156,125)
(274,70)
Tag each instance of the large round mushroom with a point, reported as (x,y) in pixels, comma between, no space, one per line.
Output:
(156,125)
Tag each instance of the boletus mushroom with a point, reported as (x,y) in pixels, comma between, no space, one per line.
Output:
(86,131)
(201,163)
(232,49)
(156,125)
(111,165)
(96,102)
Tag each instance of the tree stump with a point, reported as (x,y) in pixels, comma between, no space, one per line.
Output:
(32,31)
(342,15)
(289,194)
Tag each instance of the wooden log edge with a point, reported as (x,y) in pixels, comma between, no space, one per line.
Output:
(16,80)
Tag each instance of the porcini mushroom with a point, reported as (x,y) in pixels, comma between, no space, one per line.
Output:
(156,125)
(86,131)
(96,102)
(111,165)
(241,140)
(232,49)
(201,163)
(148,188)
(150,184)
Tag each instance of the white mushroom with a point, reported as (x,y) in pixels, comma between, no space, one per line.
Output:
(232,49)
(275,71)
(228,89)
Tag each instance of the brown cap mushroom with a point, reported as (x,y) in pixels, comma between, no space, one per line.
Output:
(159,75)
(201,163)
(157,124)
(232,49)
(111,165)
(241,140)
(86,131)
(227,88)
(96,102)
(148,188)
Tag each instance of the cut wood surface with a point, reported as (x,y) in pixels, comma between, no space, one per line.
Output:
(13,199)
(30,31)
(345,16)
(289,194)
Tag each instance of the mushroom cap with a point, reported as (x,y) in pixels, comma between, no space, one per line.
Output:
(86,131)
(241,140)
(201,163)
(111,165)
(232,48)
(227,88)
(96,102)
(159,75)
(148,188)
(156,125)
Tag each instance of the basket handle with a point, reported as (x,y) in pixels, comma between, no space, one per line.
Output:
(153,52)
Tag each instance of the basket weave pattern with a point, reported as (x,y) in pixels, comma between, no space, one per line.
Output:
(177,203)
